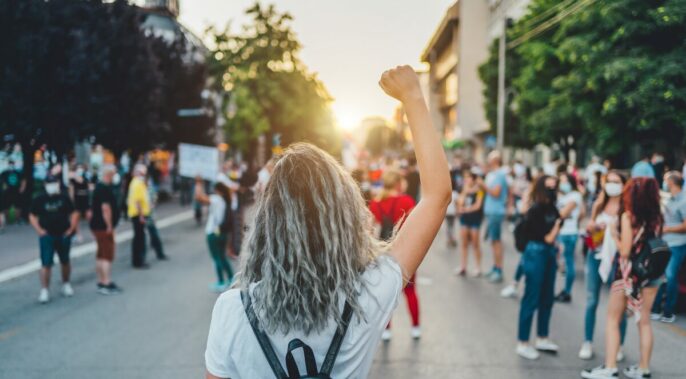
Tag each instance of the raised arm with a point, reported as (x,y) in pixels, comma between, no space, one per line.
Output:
(419,230)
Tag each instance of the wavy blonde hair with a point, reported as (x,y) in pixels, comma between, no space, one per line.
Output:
(308,244)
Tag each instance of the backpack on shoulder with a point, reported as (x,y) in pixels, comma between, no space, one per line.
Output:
(650,259)
(310,361)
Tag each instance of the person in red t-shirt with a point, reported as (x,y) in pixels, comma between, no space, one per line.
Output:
(392,208)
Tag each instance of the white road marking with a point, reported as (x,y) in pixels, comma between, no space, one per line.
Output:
(89,248)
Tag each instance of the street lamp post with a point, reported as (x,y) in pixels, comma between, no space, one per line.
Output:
(500,142)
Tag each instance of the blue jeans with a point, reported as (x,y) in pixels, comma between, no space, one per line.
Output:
(593,285)
(569,247)
(540,268)
(669,291)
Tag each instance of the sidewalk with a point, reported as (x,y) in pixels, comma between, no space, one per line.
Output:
(19,243)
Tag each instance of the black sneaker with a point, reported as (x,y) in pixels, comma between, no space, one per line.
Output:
(103,289)
(563,297)
(114,289)
(600,372)
(635,372)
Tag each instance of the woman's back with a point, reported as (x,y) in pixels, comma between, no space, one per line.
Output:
(233,350)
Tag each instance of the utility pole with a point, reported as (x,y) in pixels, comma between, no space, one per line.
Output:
(500,141)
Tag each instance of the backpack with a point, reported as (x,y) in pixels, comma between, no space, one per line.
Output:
(521,235)
(291,366)
(650,259)
(387,224)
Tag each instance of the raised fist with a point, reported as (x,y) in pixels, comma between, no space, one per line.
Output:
(401,83)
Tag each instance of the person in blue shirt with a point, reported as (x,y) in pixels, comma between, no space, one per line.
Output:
(675,236)
(643,168)
(495,208)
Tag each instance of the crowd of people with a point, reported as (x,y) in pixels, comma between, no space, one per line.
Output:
(556,213)
(310,245)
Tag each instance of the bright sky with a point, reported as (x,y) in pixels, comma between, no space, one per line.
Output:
(349,43)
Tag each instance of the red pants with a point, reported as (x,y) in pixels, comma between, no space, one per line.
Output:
(412,303)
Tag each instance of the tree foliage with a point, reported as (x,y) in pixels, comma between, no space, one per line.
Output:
(606,77)
(271,89)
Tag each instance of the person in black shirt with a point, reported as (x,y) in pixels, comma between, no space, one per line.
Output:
(11,187)
(104,218)
(54,218)
(79,190)
(542,225)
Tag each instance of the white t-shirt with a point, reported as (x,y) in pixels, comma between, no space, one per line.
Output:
(215,213)
(571,223)
(233,351)
(452,208)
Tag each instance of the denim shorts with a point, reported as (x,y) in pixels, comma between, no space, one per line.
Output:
(471,222)
(49,245)
(494,226)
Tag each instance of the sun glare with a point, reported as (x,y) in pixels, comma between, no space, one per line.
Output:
(346,118)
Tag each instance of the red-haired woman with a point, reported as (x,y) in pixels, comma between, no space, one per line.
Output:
(640,220)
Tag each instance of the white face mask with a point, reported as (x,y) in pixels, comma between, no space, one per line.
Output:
(613,189)
(52,188)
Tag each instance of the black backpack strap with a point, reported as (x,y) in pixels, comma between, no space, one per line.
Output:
(262,338)
(335,346)
(310,361)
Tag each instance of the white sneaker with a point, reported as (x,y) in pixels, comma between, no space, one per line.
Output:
(509,292)
(620,354)
(415,332)
(545,344)
(586,351)
(655,316)
(600,372)
(67,291)
(386,335)
(635,372)
(527,351)
(44,296)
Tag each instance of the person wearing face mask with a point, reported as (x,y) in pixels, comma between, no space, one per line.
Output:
(79,191)
(570,203)
(12,188)
(601,252)
(542,226)
(54,218)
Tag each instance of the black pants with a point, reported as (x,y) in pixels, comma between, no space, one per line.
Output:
(138,243)
(154,237)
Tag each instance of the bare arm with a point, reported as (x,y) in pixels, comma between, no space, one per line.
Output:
(552,234)
(681,228)
(36,225)
(74,223)
(626,239)
(567,210)
(419,230)
(107,216)
(210,376)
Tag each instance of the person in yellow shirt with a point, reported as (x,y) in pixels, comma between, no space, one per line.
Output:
(138,209)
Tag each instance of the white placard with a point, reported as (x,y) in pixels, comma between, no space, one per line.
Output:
(198,160)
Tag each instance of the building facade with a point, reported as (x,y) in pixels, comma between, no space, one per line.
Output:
(454,53)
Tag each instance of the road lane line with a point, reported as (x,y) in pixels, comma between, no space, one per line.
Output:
(89,248)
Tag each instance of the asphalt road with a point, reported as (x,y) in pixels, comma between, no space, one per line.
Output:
(158,327)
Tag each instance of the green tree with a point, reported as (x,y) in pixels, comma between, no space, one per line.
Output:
(626,78)
(608,76)
(271,89)
(515,133)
